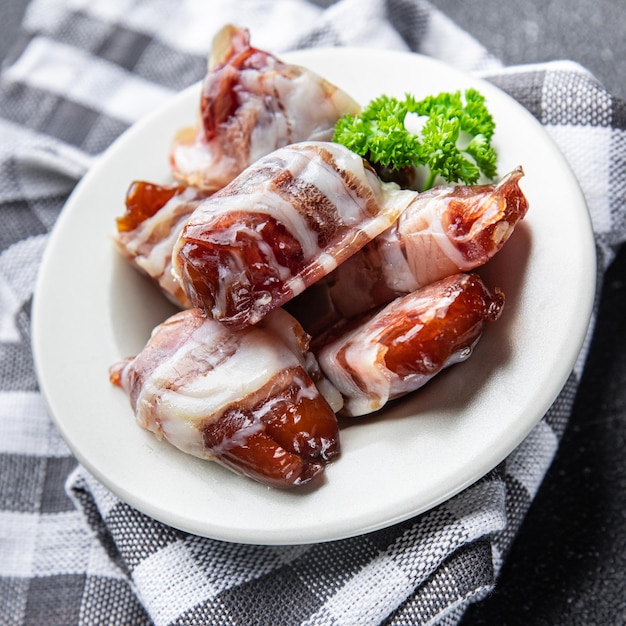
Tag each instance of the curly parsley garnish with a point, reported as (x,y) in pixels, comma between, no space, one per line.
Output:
(453,139)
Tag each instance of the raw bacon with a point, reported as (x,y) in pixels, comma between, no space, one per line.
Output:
(146,233)
(284,223)
(386,355)
(245,399)
(251,104)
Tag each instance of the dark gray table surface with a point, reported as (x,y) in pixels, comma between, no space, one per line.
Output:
(568,565)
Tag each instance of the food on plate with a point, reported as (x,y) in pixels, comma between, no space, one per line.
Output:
(252,400)
(319,278)
(282,224)
(151,224)
(446,230)
(251,104)
(448,134)
(385,355)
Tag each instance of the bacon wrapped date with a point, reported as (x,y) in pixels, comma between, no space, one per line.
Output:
(251,104)
(246,399)
(448,229)
(386,355)
(146,233)
(281,225)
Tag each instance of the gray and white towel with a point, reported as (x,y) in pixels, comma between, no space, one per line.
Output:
(70,552)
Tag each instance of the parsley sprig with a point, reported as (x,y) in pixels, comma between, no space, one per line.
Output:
(454,140)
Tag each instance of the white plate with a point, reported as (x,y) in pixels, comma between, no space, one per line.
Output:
(91,309)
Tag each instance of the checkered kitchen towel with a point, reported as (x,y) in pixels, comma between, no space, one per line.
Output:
(84,72)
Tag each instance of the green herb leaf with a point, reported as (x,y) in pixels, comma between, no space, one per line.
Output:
(379,134)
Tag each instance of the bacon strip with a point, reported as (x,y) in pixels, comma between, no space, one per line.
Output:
(399,349)
(251,104)
(245,399)
(284,223)
(146,233)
